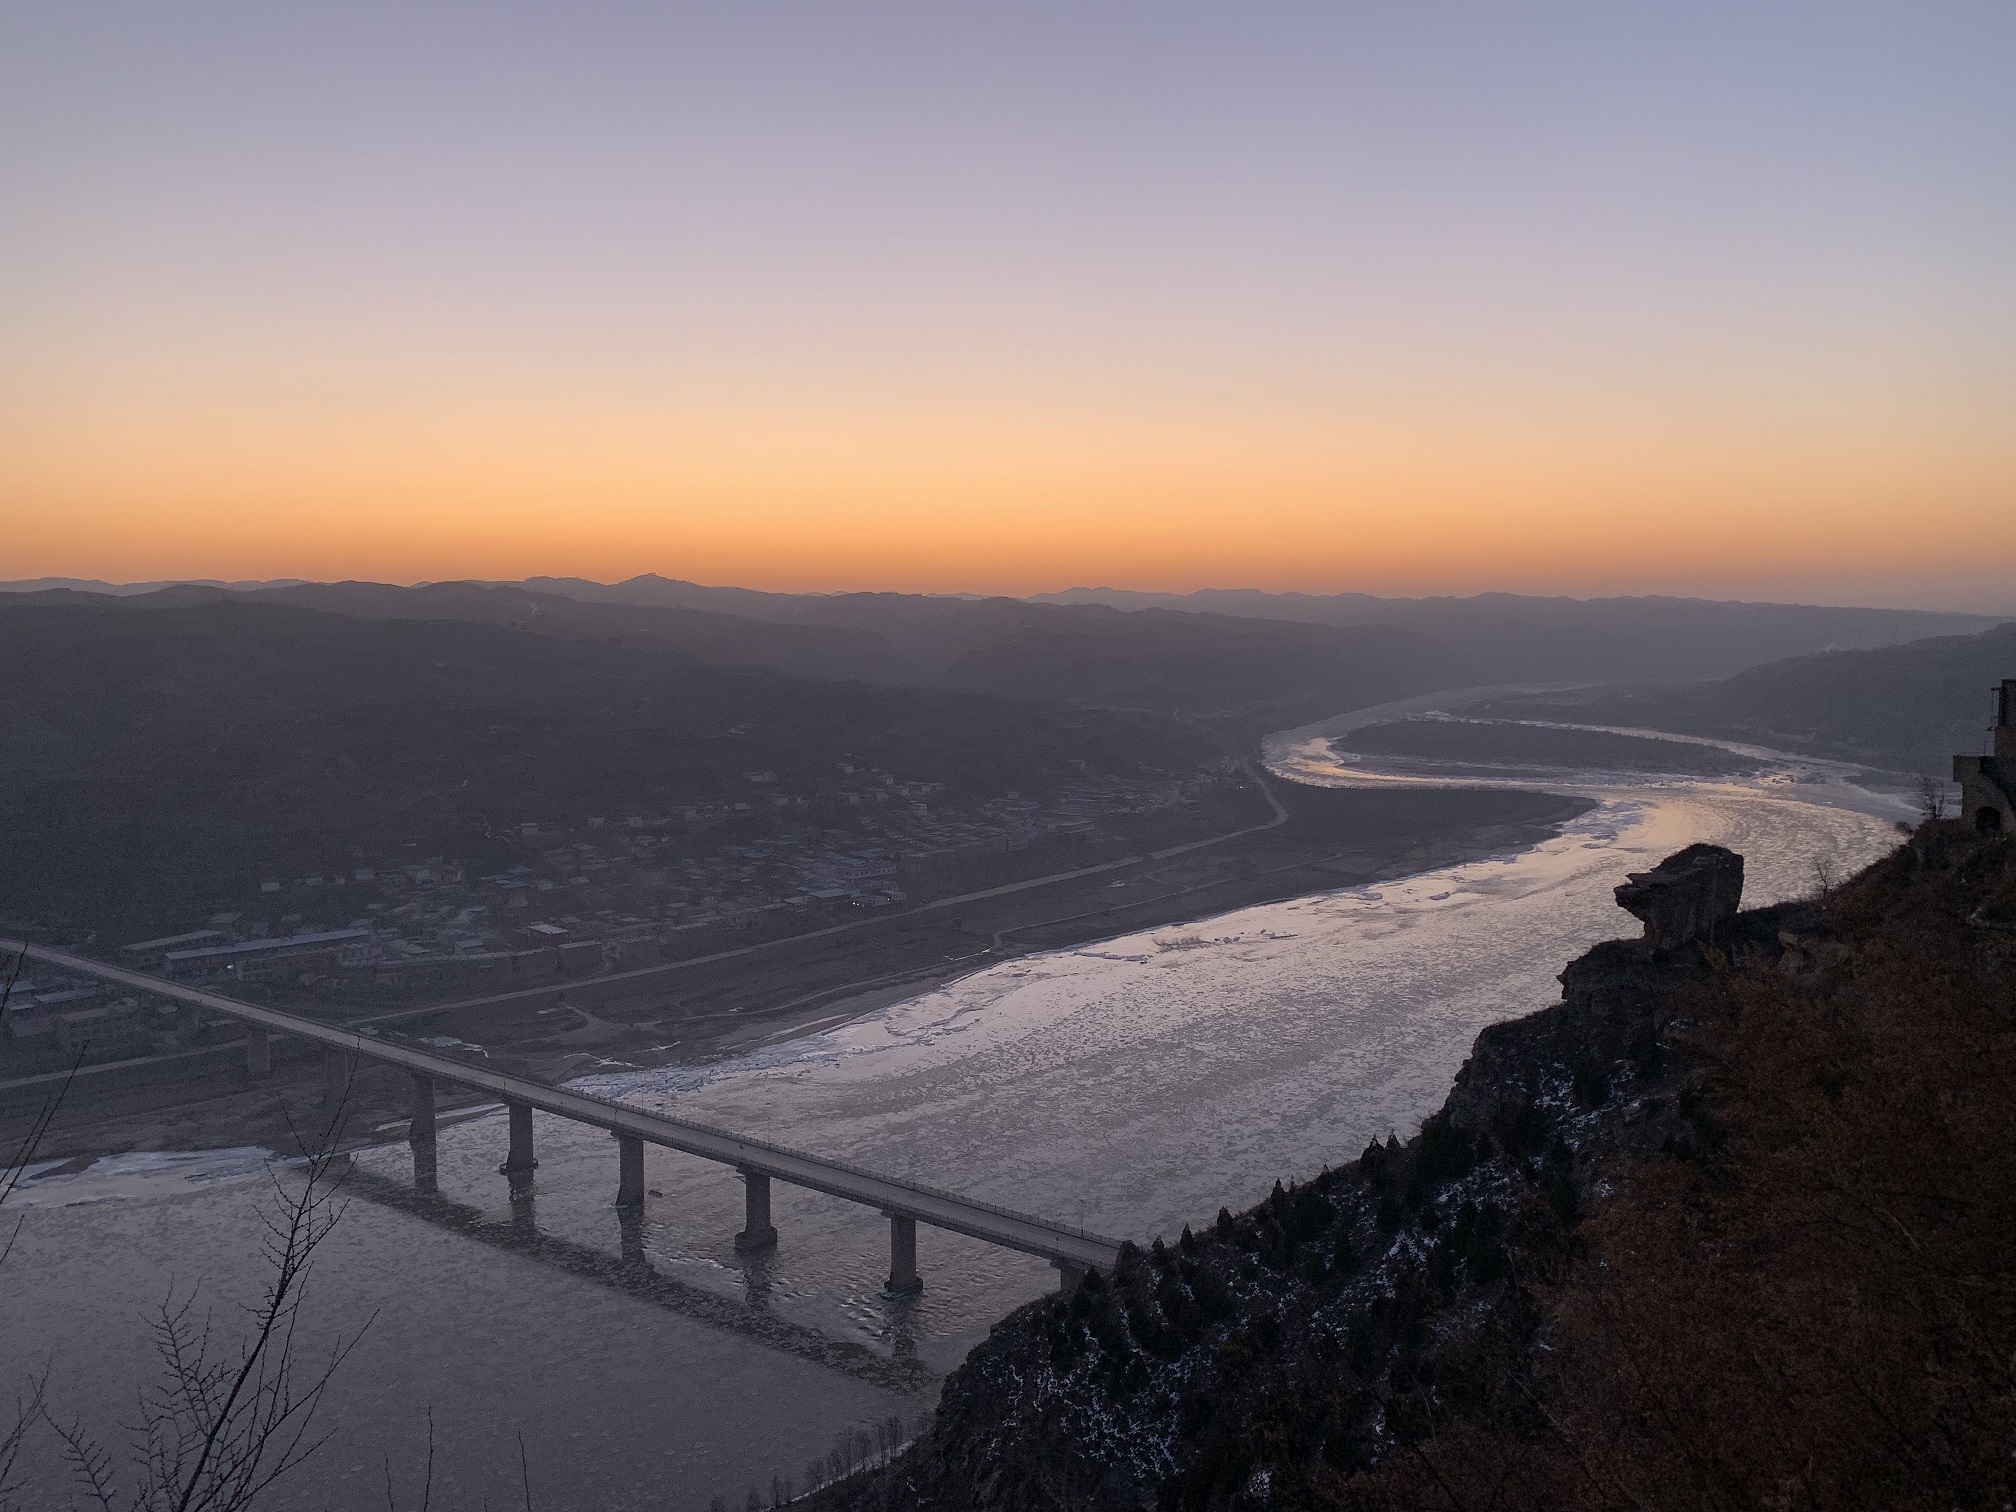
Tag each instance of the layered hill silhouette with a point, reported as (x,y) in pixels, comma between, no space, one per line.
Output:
(1245,675)
(1492,637)
(1907,707)
(1511,637)
(163,741)
(705,634)
(1130,649)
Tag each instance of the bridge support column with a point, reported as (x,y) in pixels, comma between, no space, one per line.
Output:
(422,1124)
(757,1234)
(629,1171)
(426,1173)
(338,1066)
(630,1237)
(189,1024)
(258,1050)
(520,1161)
(1068,1277)
(903,1278)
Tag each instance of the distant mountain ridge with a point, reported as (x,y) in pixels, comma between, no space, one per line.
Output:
(124,590)
(1512,637)
(1081,640)
(1495,637)
(1245,676)
(708,634)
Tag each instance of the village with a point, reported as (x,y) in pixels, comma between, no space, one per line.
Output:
(601,894)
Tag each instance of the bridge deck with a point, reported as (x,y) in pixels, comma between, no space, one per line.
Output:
(928,1205)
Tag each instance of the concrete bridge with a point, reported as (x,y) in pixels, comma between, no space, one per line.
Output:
(905,1203)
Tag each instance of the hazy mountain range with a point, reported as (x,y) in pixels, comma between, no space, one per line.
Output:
(1076,645)
(173,740)
(241,682)
(166,744)
(1497,636)
(1510,635)
(1242,674)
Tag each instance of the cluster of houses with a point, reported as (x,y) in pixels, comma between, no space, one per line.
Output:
(52,1020)
(600,894)
(630,889)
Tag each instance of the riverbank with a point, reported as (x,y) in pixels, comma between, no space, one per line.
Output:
(695,1013)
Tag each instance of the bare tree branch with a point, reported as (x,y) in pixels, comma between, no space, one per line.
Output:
(221,1426)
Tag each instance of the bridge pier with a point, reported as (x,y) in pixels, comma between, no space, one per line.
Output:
(258,1051)
(630,1238)
(426,1173)
(422,1124)
(903,1278)
(1068,1277)
(629,1171)
(757,1234)
(338,1066)
(520,1161)
(189,1024)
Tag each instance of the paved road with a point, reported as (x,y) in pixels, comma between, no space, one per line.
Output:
(927,1205)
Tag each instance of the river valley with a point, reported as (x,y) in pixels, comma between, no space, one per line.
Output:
(1131,1086)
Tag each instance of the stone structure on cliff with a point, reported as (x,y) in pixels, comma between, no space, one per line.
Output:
(1686,897)
(1988,783)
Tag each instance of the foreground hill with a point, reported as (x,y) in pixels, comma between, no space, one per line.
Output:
(149,745)
(1906,707)
(1727,1228)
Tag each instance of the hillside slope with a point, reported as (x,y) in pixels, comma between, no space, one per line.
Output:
(1907,707)
(1727,1228)
(705,634)
(1512,637)
(155,749)
(1250,675)
(1246,675)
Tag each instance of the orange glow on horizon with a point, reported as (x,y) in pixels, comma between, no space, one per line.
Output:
(1010,502)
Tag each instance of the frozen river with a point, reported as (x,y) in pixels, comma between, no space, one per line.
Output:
(1132,1086)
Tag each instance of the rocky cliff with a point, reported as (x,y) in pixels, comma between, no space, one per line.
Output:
(1727,1226)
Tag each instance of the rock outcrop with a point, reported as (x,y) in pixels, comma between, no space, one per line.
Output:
(1686,897)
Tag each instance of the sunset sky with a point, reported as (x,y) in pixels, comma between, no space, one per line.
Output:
(1397,297)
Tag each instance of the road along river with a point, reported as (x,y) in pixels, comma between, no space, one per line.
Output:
(1133,1085)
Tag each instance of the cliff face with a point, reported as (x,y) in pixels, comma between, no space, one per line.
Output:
(1806,1130)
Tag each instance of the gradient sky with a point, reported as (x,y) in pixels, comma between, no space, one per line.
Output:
(1399,297)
